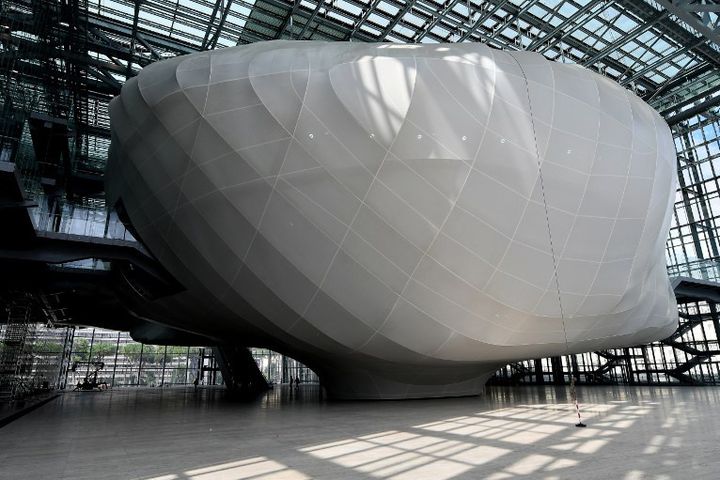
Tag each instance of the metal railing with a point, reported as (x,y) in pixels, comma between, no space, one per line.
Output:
(699,269)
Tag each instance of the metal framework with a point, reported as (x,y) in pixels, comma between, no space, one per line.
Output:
(61,61)
(83,50)
(690,356)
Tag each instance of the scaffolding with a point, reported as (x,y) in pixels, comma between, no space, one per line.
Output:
(16,359)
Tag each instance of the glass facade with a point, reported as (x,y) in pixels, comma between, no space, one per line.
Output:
(690,356)
(278,368)
(692,246)
(61,358)
(32,358)
(128,363)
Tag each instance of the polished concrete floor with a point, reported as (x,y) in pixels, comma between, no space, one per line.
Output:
(529,432)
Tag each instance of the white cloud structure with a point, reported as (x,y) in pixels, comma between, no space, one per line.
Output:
(395,215)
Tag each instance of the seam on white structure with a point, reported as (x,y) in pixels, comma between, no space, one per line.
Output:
(527,199)
(617,214)
(272,190)
(542,190)
(349,228)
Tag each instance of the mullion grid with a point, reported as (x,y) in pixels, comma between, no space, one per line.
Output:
(128,363)
(699,153)
(180,16)
(500,29)
(501,32)
(650,364)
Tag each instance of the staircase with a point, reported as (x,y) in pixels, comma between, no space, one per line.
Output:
(239,370)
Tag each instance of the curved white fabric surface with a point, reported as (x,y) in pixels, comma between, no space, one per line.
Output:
(381,211)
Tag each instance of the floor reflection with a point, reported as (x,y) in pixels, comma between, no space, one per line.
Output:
(632,433)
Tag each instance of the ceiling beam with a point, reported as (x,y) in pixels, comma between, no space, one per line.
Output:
(671,29)
(216,35)
(578,45)
(398,16)
(632,35)
(562,28)
(684,11)
(133,37)
(211,23)
(309,20)
(691,112)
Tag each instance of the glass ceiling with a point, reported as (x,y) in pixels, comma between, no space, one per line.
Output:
(669,57)
(639,44)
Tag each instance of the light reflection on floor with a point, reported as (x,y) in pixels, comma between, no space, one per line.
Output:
(632,433)
(404,455)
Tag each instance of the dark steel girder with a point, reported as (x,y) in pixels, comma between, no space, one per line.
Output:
(495,6)
(211,23)
(671,29)
(428,12)
(99,43)
(218,30)
(577,44)
(133,36)
(344,31)
(34,74)
(316,10)
(632,35)
(145,44)
(683,10)
(691,112)
(398,16)
(659,62)
(692,80)
(572,27)
(562,28)
(288,20)
(27,49)
(441,14)
(116,28)
(688,95)
(692,100)
(510,19)
(371,8)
